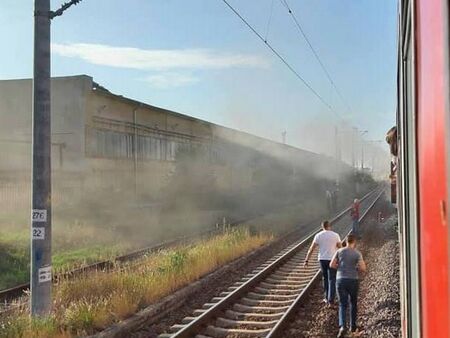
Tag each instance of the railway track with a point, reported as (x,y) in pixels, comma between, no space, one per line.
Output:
(10,299)
(262,302)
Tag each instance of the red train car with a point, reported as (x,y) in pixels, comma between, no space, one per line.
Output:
(423,164)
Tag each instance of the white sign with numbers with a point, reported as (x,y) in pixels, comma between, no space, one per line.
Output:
(39,215)
(45,274)
(38,233)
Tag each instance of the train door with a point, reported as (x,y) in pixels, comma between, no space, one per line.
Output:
(407,180)
(430,23)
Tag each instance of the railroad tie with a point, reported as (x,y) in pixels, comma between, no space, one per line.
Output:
(252,315)
(262,309)
(270,296)
(219,332)
(243,324)
(269,303)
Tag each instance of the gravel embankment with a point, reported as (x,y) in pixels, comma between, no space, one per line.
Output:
(379,295)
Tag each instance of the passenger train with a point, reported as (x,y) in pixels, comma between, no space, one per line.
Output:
(422,166)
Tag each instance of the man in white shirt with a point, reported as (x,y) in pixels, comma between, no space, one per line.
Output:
(328,242)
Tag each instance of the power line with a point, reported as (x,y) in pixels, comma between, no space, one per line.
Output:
(297,23)
(282,59)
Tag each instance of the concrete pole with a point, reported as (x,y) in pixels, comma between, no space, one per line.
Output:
(338,143)
(41,234)
(373,161)
(336,159)
(362,154)
(135,153)
(353,147)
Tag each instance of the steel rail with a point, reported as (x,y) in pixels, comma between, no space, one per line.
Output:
(200,322)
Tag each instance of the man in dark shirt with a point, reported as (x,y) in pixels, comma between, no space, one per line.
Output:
(348,261)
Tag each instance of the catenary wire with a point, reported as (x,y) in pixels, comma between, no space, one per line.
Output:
(282,59)
(316,54)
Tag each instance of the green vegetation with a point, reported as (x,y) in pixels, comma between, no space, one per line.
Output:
(93,302)
(13,266)
(67,260)
(74,245)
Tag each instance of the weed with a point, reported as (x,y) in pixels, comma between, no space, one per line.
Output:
(92,302)
(22,326)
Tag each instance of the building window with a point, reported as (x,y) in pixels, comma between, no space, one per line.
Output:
(120,145)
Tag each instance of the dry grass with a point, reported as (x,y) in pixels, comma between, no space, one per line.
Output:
(93,302)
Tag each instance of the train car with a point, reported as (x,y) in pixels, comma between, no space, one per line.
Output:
(423,164)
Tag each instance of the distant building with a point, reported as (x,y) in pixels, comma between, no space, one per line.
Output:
(104,140)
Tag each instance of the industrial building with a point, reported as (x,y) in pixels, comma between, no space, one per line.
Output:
(101,140)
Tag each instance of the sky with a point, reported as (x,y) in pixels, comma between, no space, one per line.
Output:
(198,58)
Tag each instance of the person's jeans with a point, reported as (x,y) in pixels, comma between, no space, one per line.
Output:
(355,227)
(347,289)
(329,280)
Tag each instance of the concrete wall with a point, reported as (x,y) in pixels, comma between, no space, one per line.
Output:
(67,108)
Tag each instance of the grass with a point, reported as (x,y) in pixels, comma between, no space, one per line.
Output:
(81,239)
(90,303)
(74,245)
(15,261)
(67,260)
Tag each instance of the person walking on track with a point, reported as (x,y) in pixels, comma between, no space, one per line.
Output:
(328,242)
(349,262)
(354,214)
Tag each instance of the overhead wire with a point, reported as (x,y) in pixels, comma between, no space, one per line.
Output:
(270,20)
(282,59)
(316,54)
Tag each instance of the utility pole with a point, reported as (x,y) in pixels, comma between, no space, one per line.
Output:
(135,152)
(283,137)
(353,147)
(337,151)
(41,214)
(362,132)
(337,144)
(362,155)
(374,150)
